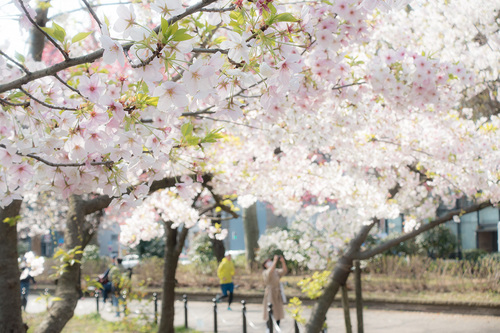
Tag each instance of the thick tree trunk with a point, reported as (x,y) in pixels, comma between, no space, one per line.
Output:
(38,38)
(251,228)
(68,285)
(11,319)
(338,278)
(172,245)
(219,249)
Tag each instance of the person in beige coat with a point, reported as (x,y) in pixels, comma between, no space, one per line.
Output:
(273,293)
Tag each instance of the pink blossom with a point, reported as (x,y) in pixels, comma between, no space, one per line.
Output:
(91,87)
(171,94)
(113,51)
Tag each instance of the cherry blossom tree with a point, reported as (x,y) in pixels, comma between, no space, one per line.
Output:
(280,102)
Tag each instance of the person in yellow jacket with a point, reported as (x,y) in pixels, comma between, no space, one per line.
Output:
(225,272)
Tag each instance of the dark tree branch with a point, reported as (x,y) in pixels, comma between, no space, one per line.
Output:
(91,57)
(46,104)
(448,217)
(218,199)
(92,12)
(348,85)
(5,102)
(218,218)
(50,71)
(18,64)
(218,10)
(204,50)
(40,159)
(67,85)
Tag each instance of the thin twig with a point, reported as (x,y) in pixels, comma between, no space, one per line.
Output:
(91,57)
(18,64)
(81,8)
(204,50)
(46,104)
(5,102)
(40,159)
(67,85)
(229,122)
(92,12)
(348,85)
(65,55)
(218,10)
(106,163)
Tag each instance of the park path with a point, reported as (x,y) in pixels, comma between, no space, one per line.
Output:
(200,316)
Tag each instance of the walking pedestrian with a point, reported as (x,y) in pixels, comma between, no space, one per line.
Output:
(225,272)
(26,278)
(118,276)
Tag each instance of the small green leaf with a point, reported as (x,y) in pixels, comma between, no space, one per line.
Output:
(187,129)
(80,36)
(192,140)
(285,17)
(213,136)
(20,57)
(49,31)
(164,26)
(59,32)
(181,35)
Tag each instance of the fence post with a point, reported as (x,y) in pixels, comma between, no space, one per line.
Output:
(96,295)
(215,314)
(185,299)
(244,310)
(345,305)
(270,317)
(155,300)
(359,297)
(296,326)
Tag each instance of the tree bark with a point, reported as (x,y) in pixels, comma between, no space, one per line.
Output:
(345,306)
(359,296)
(68,284)
(174,241)
(37,37)
(338,277)
(251,228)
(219,249)
(11,319)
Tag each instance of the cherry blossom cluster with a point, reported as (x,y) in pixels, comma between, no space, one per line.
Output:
(32,264)
(325,101)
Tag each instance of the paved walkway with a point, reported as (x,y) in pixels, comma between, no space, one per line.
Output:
(200,316)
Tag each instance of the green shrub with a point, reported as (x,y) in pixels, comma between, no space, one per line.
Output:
(474,254)
(495,256)
(149,272)
(202,255)
(408,248)
(438,242)
(152,248)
